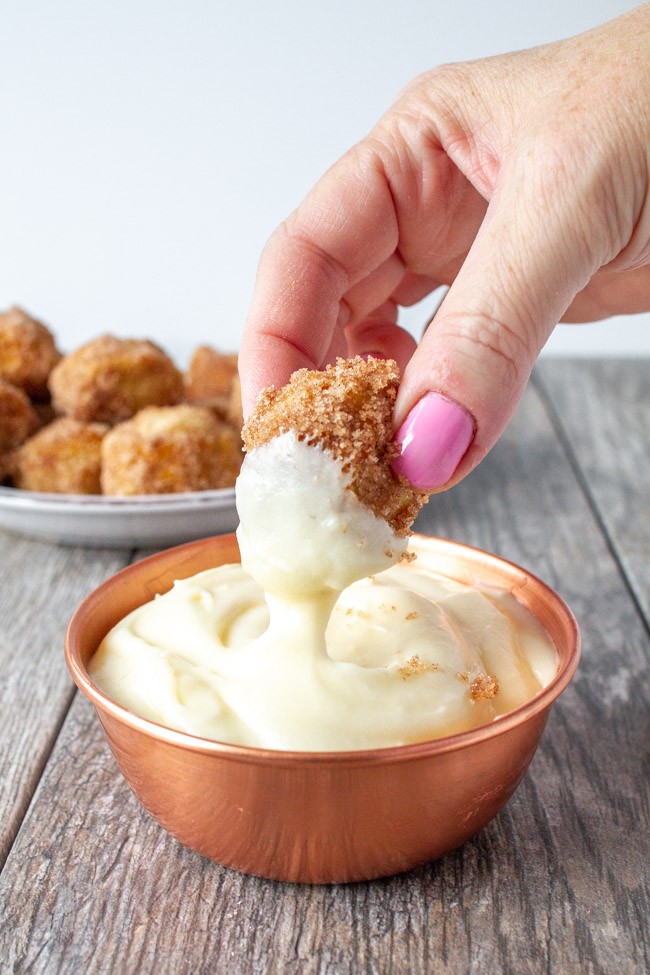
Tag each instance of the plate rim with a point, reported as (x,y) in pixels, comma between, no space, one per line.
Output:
(16,498)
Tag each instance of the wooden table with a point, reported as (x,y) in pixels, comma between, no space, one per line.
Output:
(558,883)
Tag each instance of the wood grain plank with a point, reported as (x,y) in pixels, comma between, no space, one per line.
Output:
(603,410)
(40,587)
(557,883)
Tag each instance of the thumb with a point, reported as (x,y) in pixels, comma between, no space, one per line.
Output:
(462,385)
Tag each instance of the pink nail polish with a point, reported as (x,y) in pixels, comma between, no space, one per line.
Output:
(434,438)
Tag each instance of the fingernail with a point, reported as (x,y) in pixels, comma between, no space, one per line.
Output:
(434,438)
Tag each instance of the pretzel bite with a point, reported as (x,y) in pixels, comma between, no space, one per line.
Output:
(7,465)
(110,379)
(17,418)
(218,406)
(64,457)
(164,450)
(226,408)
(210,374)
(346,410)
(27,352)
(45,412)
(235,413)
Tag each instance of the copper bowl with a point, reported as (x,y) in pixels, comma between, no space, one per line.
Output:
(320,817)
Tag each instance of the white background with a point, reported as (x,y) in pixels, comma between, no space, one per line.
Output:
(148,147)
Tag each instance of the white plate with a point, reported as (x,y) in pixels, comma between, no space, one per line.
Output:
(95,521)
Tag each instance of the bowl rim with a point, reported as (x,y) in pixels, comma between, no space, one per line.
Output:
(387,755)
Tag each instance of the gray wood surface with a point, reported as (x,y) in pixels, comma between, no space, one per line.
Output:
(602,411)
(40,587)
(558,883)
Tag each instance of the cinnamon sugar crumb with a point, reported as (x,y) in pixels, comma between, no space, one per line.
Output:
(415,665)
(407,557)
(346,410)
(483,687)
(411,616)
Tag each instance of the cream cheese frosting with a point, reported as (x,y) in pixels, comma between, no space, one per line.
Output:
(322,640)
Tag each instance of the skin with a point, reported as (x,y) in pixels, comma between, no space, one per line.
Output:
(521,181)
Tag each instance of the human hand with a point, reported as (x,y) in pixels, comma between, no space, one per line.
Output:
(520,181)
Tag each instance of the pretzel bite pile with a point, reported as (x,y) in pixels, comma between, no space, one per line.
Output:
(122,419)
(346,410)
(27,355)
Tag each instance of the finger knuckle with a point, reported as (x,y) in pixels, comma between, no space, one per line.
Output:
(572,165)
(502,350)
(451,76)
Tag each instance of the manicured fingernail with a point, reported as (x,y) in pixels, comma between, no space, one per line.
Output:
(434,438)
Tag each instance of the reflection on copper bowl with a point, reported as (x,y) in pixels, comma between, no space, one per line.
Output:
(320,817)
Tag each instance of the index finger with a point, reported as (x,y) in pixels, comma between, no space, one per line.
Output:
(344,229)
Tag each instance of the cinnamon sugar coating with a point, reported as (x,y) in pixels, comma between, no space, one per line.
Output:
(7,465)
(167,449)
(228,409)
(110,379)
(346,410)
(210,373)
(27,352)
(63,457)
(235,412)
(17,417)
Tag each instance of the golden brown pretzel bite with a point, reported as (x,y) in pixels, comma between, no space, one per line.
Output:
(110,379)
(27,352)
(17,418)
(210,373)
(63,457)
(347,410)
(165,450)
